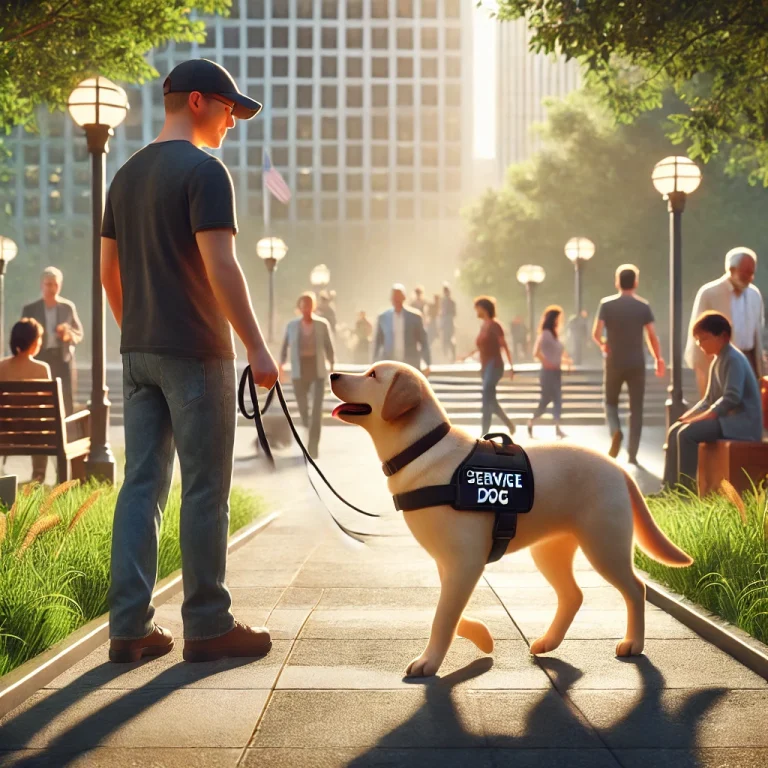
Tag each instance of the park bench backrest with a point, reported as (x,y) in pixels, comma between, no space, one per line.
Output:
(31,418)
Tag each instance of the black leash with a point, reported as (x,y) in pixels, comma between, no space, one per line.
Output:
(256,415)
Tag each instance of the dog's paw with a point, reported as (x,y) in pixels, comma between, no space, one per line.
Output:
(543,645)
(477,632)
(422,667)
(629,647)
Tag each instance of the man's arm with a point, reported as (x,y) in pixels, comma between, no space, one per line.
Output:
(330,351)
(653,345)
(597,332)
(699,306)
(284,347)
(426,352)
(378,342)
(110,278)
(76,327)
(735,376)
(217,248)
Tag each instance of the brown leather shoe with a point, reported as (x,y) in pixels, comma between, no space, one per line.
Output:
(241,640)
(157,643)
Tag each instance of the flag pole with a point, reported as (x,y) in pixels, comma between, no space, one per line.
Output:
(270,262)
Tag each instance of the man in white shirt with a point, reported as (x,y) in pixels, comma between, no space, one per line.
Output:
(400,333)
(734,296)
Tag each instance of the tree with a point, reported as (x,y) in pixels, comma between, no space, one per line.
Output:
(48,46)
(592,178)
(712,54)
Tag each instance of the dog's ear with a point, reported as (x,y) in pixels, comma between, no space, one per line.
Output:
(403,395)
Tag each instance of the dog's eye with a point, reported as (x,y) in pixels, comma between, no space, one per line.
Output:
(372,374)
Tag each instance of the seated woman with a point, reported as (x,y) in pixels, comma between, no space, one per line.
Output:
(729,410)
(26,340)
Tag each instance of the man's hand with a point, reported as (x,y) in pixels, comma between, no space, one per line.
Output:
(605,349)
(511,373)
(263,367)
(661,367)
(64,332)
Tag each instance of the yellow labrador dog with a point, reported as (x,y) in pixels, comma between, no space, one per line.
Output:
(582,499)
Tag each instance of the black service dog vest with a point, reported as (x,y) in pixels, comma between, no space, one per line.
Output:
(493,478)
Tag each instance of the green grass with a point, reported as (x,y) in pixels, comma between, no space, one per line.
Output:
(729,544)
(59,582)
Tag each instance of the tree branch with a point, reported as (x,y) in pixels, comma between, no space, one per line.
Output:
(52,19)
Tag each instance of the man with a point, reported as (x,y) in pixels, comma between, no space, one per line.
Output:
(325,309)
(626,319)
(734,296)
(174,284)
(448,324)
(729,410)
(309,338)
(418,302)
(62,330)
(400,333)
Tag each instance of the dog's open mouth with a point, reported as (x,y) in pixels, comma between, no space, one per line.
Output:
(351,409)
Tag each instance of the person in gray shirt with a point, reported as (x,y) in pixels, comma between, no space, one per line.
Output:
(626,319)
(730,409)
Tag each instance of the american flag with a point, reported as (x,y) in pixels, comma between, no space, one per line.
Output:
(274,182)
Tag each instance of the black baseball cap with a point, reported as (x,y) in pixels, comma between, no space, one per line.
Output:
(207,76)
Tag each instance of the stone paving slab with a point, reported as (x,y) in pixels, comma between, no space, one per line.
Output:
(414,597)
(369,575)
(111,757)
(380,664)
(595,598)
(736,757)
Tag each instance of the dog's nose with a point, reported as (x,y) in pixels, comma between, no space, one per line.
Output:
(335,376)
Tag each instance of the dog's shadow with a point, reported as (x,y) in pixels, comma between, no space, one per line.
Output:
(488,719)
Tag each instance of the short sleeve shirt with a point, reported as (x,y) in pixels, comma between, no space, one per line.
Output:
(158,201)
(489,343)
(625,317)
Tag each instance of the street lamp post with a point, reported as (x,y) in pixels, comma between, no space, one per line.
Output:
(530,275)
(676,178)
(320,276)
(579,250)
(98,106)
(8,251)
(271,250)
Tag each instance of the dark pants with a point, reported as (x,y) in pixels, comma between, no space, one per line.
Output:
(301,388)
(186,404)
(551,392)
(613,381)
(449,343)
(66,372)
(682,458)
(492,374)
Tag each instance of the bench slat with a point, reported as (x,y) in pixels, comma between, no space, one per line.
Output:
(26,438)
(14,400)
(30,412)
(27,425)
(28,450)
(28,386)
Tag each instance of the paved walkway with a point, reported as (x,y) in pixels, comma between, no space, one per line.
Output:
(347,618)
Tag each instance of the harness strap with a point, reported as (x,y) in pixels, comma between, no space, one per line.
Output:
(413,451)
(431,496)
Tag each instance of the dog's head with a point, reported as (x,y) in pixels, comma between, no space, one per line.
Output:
(385,399)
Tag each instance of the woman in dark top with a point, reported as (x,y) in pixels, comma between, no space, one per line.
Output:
(490,342)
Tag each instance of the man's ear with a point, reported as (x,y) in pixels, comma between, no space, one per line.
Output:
(403,395)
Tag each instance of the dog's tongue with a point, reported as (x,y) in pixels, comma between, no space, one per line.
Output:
(335,412)
(351,408)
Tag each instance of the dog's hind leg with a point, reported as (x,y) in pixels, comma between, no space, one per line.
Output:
(614,563)
(554,558)
(458,583)
(473,630)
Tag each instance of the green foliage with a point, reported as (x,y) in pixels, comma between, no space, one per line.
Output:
(592,177)
(59,581)
(48,46)
(729,575)
(711,53)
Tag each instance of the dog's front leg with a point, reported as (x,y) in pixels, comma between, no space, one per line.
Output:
(458,582)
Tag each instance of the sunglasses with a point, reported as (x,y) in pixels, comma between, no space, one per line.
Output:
(216,97)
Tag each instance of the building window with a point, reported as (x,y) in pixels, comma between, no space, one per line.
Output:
(305,182)
(354,9)
(354,96)
(354,208)
(354,66)
(404,208)
(306,209)
(381,127)
(304,37)
(330,9)
(404,182)
(453,156)
(429,67)
(380,208)
(304,157)
(256,67)
(255,158)
(280,96)
(255,9)
(354,156)
(404,95)
(328,37)
(279,37)
(279,129)
(429,156)
(231,37)
(453,66)
(429,126)
(380,9)
(452,96)
(328,95)
(453,39)
(404,67)
(405,156)
(380,96)
(304,128)
(354,182)
(280,9)
(429,9)
(405,38)
(380,67)
(329,128)
(232,65)
(256,130)
(304,66)
(329,182)
(354,127)
(255,37)
(380,38)
(230,156)
(328,66)
(279,66)
(453,127)
(304,9)
(330,210)
(304,97)
(429,37)
(354,37)
(452,9)
(405,9)
(280,156)
(429,95)
(429,182)
(380,156)
(329,156)
(429,208)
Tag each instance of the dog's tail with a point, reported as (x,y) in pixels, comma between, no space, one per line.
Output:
(649,537)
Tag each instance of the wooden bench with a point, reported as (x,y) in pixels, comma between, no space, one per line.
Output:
(736,461)
(32,423)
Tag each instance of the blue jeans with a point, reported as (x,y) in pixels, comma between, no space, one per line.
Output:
(492,374)
(189,404)
(551,392)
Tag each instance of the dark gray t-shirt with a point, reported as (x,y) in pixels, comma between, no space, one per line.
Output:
(625,318)
(157,202)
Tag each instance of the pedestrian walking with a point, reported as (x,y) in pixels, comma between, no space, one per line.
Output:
(550,351)
(400,333)
(309,339)
(489,343)
(448,324)
(174,285)
(363,331)
(626,320)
